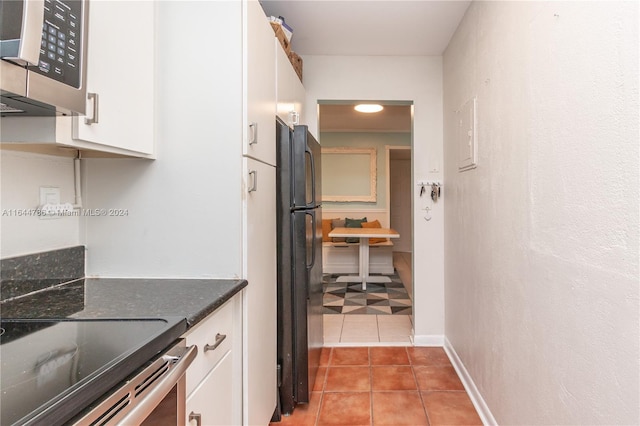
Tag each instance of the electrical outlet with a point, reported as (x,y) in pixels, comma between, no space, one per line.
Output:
(49,195)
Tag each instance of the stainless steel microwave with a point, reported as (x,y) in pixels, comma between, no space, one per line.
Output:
(43,47)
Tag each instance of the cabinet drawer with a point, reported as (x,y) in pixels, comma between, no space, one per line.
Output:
(211,403)
(220,323)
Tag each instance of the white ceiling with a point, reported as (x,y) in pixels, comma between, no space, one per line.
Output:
(343,118)
(369,27)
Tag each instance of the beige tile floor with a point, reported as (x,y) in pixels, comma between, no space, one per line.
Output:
(373,330)
(367,330)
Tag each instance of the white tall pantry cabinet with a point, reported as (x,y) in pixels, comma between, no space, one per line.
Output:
(259,267)
(205,207)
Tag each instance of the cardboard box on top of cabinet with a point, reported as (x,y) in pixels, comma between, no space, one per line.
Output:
(296,61)
(284,33)
(286,29)
(284,42)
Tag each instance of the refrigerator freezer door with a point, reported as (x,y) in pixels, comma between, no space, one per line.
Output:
(315,332)
(307,300)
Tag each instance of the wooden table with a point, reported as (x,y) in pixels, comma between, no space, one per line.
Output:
(363,269)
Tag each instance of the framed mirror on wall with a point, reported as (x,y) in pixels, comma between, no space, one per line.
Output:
(349,174)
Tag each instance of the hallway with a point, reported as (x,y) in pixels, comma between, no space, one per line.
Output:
(385,386)
(528,264)
(370,374)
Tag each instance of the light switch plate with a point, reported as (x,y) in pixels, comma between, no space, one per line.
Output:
(49,195)
(467,135)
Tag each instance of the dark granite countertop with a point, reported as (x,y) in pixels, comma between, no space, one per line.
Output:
(179,303)
(49,285)
(192,299)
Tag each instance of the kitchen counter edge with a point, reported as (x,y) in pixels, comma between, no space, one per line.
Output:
(191,299)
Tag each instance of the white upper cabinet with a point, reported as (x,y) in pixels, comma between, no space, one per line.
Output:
(260,68)
(121,75)
(290,94)
(120,81)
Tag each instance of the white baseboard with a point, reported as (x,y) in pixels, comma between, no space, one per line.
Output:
(428,340)
(476,398)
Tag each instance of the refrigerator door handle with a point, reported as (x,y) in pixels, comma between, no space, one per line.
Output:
(313,175)
(313,239)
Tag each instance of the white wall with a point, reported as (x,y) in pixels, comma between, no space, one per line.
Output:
(22,175)
(366,140)
(184,209)
(417,79)
(541,240)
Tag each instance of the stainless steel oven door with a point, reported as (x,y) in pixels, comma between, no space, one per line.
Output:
(155,395)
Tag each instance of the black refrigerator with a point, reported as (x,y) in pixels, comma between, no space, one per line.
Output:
(299,222)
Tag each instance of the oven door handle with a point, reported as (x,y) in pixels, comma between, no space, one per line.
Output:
(140,394)
(143,407)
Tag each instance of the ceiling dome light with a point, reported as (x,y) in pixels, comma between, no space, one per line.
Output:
(368,108)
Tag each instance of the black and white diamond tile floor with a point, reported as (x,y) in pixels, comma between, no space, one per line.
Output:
(378,299)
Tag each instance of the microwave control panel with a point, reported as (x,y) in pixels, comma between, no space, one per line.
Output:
(61,44)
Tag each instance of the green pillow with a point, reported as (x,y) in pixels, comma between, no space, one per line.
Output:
(353,223)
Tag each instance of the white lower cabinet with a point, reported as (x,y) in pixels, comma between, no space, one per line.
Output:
(214,379)
(260,315)
(210,404)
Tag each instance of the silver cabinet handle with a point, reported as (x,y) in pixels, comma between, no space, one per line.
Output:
(253,133)
(254,174)
(93,97)
(197,417)
(219,339)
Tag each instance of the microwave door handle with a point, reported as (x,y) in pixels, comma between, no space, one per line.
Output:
(32,19)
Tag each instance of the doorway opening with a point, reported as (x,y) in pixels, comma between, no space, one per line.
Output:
(375,188)
(399,196)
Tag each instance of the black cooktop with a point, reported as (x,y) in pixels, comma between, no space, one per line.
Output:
(53,368)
